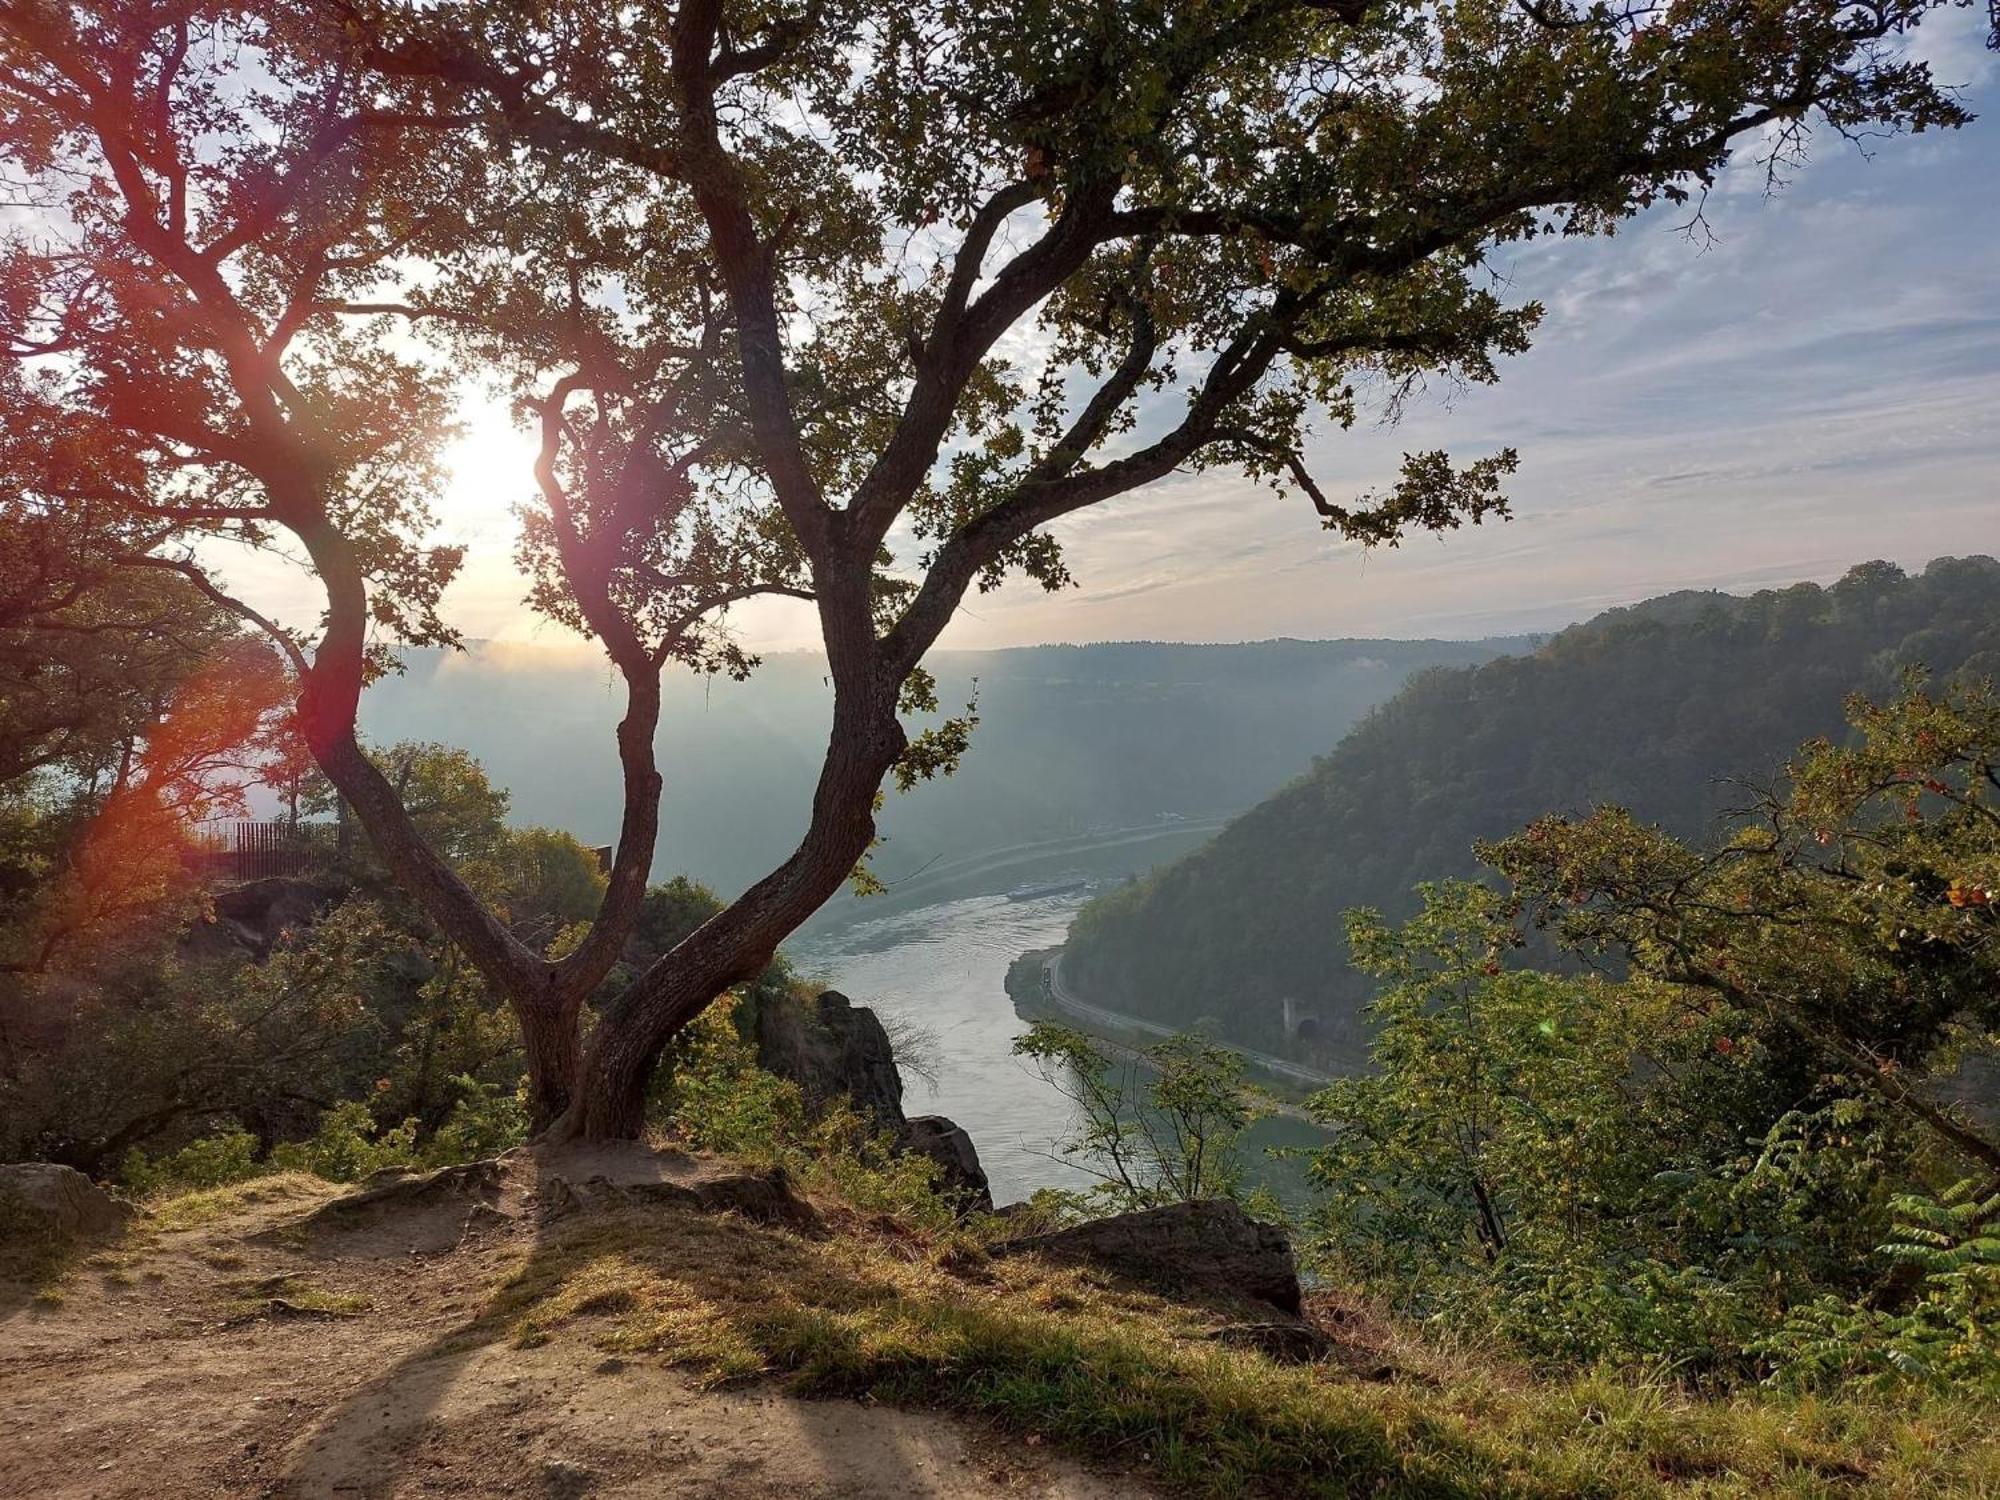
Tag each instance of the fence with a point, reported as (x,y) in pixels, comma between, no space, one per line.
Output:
(246,850)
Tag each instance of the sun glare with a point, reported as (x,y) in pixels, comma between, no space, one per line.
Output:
(489,473)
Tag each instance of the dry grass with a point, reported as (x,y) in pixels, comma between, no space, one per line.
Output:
(1109,1372)
(181,1211)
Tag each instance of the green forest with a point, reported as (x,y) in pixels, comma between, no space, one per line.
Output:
(1674,709)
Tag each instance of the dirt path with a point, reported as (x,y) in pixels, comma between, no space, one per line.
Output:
(236,1359)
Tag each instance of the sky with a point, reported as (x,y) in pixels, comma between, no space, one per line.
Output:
(1813,383)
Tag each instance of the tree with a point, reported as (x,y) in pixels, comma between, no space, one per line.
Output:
(91,651)
(120,870)
(1593,1170)
(1492,1092)
(1857,906)
(553,883)
(1163,1126)
(845,303)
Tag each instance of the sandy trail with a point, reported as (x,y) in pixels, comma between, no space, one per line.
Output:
(192,1364)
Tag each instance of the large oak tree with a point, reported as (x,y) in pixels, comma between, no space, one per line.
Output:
(828,300)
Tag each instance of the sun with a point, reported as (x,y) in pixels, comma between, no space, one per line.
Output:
(489,473)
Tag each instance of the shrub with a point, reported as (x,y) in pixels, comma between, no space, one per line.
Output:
(347,1147)
(211,1162)
(715,1098)
(1945,1334)
(484,1121)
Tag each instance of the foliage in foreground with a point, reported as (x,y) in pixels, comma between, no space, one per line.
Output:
(1740,1161)
(1945,1333)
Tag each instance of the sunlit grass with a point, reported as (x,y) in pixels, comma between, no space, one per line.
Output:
(1118,1375)
(174,1212)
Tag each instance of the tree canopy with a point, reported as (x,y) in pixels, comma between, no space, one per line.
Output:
(844,303)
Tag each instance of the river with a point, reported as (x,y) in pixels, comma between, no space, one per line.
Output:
(942,969)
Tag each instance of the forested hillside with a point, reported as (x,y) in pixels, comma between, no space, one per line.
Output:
(1654,707)
(1069,737)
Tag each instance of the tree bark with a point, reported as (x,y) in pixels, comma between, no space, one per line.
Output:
(739,942)
(550,1045)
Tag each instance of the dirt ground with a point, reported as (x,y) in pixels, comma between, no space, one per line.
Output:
(242,1358)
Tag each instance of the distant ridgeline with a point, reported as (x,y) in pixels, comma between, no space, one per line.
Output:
(1070,737)
(1652,707)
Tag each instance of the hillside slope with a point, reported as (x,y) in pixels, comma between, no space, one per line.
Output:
(1652,707)
(277,1338)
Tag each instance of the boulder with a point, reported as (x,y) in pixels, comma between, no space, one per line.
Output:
(44,1201)
(833,1047)
(253,918)
(1211,1248)
(947,1144)
(763,1197)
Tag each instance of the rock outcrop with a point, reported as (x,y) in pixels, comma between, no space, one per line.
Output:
(250,920)
(959,1172)
(834,1049)
(45,1201)
(398,1212)
(764,1197)
(1211,1249)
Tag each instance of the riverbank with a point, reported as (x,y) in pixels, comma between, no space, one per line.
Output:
(938,978)
(1034,983)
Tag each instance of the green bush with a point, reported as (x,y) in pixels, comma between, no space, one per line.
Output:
(213,1161)
(1944,1333)
(714,1097)
(484,1121)
(347,1146)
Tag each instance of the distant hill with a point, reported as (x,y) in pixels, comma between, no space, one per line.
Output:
(1070,738)
(1650,706)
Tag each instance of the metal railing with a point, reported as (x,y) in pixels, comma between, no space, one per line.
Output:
(244,849)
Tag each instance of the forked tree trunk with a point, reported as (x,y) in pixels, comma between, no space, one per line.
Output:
(737,943)
(546,997)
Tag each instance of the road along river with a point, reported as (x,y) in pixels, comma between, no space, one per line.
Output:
(942,969)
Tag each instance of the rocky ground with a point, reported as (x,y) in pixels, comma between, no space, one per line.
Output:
(280,1349)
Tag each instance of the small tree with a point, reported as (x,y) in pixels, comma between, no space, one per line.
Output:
(1497,1103)
(842,302)
(1162,1126)
(1857,907)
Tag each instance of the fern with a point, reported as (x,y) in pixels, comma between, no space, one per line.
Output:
(1948,1331)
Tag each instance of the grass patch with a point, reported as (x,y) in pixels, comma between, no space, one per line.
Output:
(1120,1376)
(179,1211)
(258,1294)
